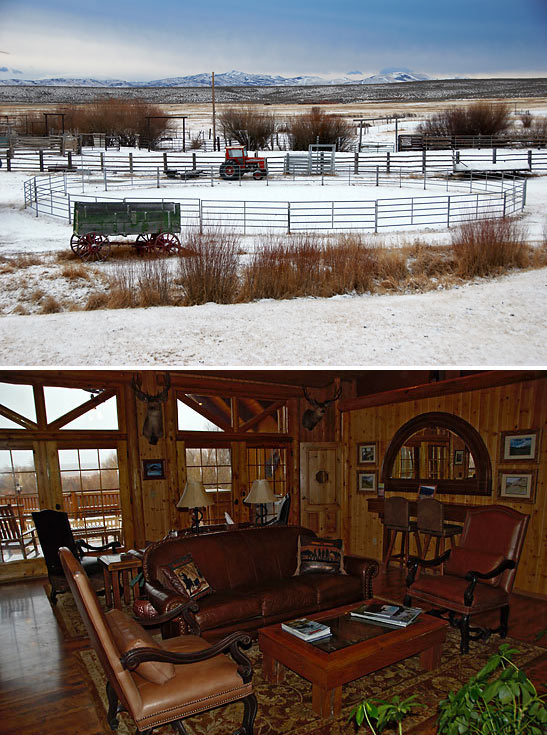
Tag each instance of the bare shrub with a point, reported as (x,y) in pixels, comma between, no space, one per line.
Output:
(317,126)
(211,274)
(538,128)
(133,284)
(490,246)
(124,119)
(526,119)
(50,305)
(76,272)
(36,295)
(431,260)
(479,118)
(97,300)
(248,126)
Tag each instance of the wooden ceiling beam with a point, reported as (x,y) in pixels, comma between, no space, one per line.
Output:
(17,418)
(83,408)
(478,381)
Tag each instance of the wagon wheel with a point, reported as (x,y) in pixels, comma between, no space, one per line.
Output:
(145,243)
(91,246)
(167,243)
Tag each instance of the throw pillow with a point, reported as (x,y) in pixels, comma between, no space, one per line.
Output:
(324,555)
(184,577)
(128,634)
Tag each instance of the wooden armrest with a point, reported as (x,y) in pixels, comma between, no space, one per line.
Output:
(473,577)
(113,545)
(414,562)
(232,644)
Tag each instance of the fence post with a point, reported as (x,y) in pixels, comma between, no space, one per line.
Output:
(377,175)
(200,217)
(157,177)
(448,212)
(376,216)
(244,218)
(165,162)
(356,163)
(530,160)
(69,159)
(105,179)
(424,160)
(494,155)
(101,154)
(41,159)
(69,212)
(388,163)
(8,160)
(36,195)
(194,160)
(130,163)
(332,216)
(524,190)
(504,203)
(288,218)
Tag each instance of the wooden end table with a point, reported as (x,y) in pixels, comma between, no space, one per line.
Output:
(367,648)
(117,567)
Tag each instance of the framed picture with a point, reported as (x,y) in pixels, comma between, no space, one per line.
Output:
(366,453)
(517,485)
(458,456)
(517,446)
(426,491)
(366,482)
(153,469)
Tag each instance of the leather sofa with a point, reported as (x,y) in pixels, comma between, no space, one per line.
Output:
(252,576)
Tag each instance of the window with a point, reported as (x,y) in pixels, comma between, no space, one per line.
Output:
(18,489)
(271,464)
(91,493)
(213,467)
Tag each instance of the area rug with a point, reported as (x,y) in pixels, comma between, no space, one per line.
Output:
(285,709)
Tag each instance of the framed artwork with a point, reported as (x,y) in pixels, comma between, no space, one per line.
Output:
(517,485)
(517,446)
(153,469)
(366,482)
(458,456)
(426,491)
(366,453)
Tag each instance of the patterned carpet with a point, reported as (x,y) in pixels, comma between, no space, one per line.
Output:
(285,709)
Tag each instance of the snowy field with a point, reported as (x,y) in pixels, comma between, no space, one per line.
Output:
(490,322)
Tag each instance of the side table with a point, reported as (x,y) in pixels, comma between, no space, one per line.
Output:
(118,567)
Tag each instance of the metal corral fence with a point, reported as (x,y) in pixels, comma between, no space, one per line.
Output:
(141,163)
(491,197)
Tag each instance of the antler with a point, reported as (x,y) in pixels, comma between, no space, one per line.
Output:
(322,404)
(161,396)
(310,399)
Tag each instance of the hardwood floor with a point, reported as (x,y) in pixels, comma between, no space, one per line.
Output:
(41,688)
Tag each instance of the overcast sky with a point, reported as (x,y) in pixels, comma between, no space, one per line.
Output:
(140,40)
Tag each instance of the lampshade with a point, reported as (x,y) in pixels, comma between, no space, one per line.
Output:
(261,492)
(194,496)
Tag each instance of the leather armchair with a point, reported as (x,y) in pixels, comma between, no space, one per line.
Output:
(479,572)
(161,683)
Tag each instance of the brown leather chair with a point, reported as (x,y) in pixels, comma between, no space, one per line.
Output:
(396,520)
(165,682)
(478,574)
(432,524)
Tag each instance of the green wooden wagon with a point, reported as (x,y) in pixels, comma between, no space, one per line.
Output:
(154,223)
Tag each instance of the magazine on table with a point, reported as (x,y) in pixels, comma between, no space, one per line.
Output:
(387,614)
(307,630)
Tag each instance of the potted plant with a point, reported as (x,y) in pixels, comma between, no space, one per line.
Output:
(384,713)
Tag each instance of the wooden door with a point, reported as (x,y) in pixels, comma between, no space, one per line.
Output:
(321,488)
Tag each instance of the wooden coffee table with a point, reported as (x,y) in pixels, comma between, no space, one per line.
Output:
(364,648)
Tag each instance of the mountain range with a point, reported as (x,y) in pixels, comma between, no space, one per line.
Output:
(230,79)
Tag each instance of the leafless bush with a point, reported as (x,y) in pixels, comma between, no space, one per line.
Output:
(538,128)
(248,126)
(490,246)
(317,126)
(211,274)
(134,284)
(526,119)
(125,119)
(479,118)
(50,305)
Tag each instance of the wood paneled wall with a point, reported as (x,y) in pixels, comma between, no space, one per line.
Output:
(519,406)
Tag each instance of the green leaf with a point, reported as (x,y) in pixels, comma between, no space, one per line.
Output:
(505,695)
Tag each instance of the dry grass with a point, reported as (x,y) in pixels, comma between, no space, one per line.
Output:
(211,274)
(488,247)
(76,272)
(50,305)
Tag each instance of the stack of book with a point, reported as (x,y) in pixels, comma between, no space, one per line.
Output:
(386,614)
(307,630)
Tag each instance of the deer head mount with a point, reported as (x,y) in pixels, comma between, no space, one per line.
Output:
(153,423)
(312,416)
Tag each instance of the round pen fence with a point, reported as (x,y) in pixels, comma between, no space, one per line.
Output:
(491,197)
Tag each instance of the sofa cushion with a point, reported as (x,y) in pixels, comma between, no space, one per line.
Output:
(183,576)
(323,555)
(128,634)
(461,561)
(333,590)
(285,595)
(228,606)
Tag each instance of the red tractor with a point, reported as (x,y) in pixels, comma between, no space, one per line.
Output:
(238,163)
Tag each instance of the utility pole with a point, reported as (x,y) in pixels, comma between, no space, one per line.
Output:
(214,115)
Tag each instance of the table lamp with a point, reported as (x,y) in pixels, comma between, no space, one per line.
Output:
(260,494)
(195,497)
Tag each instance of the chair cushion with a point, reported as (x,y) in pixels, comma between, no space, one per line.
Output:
(324,555)
(128,634)
(462,560)
(183,576)
(448,592)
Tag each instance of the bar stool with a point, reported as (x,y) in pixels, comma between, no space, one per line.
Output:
(396,520)
(432,524)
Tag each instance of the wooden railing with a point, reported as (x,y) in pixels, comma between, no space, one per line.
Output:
(77,503)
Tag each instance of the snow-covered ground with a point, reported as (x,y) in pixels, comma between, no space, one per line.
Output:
(492,322)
